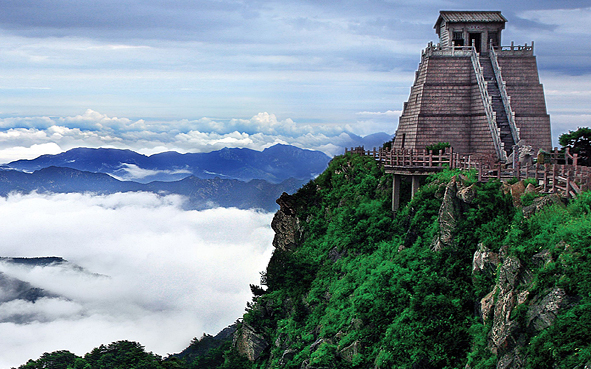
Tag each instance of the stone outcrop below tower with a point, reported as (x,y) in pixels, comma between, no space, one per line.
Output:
(481,98)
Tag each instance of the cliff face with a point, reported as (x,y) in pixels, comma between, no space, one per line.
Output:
(459,278)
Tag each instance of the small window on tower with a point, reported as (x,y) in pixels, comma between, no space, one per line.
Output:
(458,38)
(493,39)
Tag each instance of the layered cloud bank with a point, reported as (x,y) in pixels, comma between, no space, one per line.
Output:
(153,273)
(29,137)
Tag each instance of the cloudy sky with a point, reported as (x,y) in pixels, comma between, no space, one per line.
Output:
(153,273)
(195,75)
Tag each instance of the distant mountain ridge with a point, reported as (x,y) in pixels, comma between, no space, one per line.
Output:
(200,193)
(274,164)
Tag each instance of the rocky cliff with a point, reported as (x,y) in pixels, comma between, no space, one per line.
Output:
(467,275)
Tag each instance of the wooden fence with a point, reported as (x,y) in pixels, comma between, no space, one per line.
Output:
(554,172)
(412,158)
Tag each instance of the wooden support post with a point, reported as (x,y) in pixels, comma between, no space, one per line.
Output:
(395,192)
(554,187)
(392,157)
(546,177)
(568,173)
(451,157)
(415,183)
(480,172)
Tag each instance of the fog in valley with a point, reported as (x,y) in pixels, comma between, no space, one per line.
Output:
(139,268)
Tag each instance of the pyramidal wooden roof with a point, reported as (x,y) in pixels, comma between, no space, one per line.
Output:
(469,16)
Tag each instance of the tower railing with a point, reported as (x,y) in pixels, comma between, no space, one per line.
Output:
(438,50)
(487,102)
(516,50)
(504,95)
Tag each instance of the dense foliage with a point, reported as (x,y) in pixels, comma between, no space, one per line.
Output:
(365,289)
(436,147)
(387,300)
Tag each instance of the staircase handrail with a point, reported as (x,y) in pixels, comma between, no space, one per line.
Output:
(486,101)
(504,95)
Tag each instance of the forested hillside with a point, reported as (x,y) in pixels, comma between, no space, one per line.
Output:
(466,275)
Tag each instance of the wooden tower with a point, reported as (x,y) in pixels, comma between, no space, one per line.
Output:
(481,97)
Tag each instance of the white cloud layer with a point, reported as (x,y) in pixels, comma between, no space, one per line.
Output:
(29,137)
(165,275)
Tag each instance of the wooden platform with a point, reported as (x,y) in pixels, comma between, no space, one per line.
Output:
(560,172)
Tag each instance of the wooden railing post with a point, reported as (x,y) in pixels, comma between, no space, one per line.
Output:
(567,187)
(554,178)
(575,159)
(451,156)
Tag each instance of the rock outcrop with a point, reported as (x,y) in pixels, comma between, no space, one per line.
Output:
(288,231)
(510,307)
(455,199)
(540,203)
(249,343)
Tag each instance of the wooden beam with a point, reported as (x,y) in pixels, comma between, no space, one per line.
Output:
(395,192)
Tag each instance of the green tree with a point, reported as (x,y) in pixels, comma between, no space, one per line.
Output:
(123,355)
(55,360)
(578,142)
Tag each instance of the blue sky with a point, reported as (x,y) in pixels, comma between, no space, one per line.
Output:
(197,75)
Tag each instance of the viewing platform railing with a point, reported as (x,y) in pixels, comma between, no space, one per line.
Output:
(558,173)
(413,158)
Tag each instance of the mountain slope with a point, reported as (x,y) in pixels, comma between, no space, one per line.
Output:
(457,279)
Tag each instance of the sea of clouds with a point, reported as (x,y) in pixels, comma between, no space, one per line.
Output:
(29,137)
(152,272)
